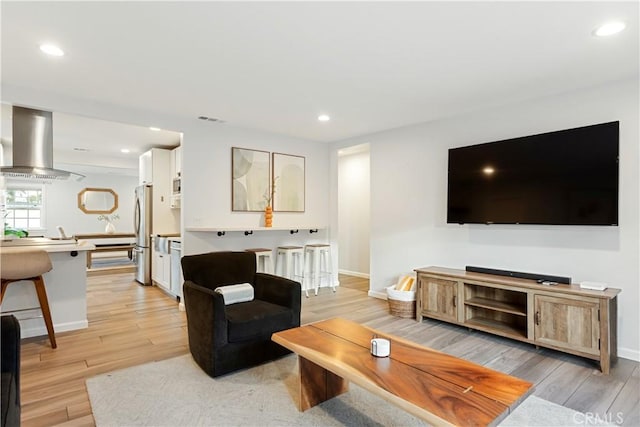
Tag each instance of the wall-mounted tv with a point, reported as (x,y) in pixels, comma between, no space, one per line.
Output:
(567,177)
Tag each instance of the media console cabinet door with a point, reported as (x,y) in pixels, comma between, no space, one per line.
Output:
(439,298)
(567,323)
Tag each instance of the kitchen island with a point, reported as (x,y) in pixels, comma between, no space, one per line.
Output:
(66,286)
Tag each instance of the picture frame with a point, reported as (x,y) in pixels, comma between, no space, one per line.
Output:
(288,176)
(250,179)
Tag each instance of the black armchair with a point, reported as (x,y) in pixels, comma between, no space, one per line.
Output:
(225,338)
(10,367)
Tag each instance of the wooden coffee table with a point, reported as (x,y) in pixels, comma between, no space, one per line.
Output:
(436,387)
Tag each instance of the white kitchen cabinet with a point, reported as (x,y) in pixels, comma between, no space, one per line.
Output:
(176,172)
(161,268)
(145,162)
(164,270)
(154,166)
(176,162)
(176,201)
(155,170)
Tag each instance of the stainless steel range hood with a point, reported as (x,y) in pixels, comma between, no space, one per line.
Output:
(33,146)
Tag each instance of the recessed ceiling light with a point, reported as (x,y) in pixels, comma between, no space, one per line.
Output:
(323,118)
(610,28)
(51,49)
(154,129)
(125,150)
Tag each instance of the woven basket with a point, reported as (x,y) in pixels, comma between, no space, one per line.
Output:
(402,308)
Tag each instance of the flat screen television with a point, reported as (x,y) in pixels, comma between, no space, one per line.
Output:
(567,177)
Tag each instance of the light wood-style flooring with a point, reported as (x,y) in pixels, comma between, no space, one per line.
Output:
(130,325)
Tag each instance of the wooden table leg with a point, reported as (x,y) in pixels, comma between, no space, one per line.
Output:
(317,384)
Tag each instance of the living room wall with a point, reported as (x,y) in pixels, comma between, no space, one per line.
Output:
(418,236)
(206,195)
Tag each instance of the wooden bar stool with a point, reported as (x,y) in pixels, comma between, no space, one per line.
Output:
(289,262)
(28,265)
(264,262)
(317,266)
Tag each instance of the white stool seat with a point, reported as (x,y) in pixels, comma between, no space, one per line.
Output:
(289,262)
(317,266)
(264,262)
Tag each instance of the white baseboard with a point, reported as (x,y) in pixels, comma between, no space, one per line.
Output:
(36,331)
(627,353)
(378,294)
(354,273)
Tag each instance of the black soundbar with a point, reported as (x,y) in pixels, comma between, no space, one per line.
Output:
(519,274)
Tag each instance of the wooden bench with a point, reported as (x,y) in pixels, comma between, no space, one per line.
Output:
(434,386)
(108,247)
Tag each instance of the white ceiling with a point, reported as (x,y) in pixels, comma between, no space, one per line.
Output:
(86,145)
(276,65)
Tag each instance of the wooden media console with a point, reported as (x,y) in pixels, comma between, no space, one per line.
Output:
(561,317)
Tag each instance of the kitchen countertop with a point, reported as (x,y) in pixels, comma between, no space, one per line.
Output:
(44,243)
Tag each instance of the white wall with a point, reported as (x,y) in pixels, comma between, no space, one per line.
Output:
(353,213)
(206,195)
(404,239)
(62,204)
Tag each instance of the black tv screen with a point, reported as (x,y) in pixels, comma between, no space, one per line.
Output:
(567,177)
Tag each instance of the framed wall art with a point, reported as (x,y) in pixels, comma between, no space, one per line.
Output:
(249,179)
(289,180)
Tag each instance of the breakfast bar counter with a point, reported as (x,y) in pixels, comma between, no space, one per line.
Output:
(66,286)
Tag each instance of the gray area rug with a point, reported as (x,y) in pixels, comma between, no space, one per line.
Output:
(176,392)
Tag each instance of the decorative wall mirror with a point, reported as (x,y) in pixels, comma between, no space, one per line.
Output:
(97,200)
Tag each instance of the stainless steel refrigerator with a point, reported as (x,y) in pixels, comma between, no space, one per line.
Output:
(142,228)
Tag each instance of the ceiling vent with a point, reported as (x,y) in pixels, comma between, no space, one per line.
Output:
(210,119)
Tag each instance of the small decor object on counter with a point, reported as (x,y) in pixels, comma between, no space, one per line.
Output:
(268,216)
(268,210)
(109,228)
(9,231)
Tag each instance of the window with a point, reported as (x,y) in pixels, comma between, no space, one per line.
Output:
(24,206)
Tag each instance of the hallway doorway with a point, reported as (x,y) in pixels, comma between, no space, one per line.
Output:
(354,210)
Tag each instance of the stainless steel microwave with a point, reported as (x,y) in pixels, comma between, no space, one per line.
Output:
(176,186)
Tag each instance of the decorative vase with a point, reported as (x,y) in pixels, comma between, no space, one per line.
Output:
(110,228)
(268,216)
